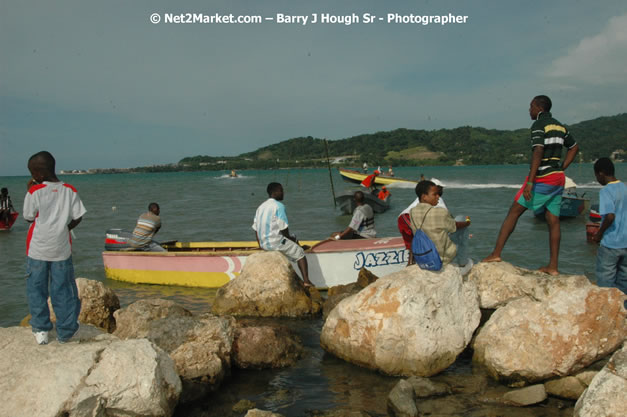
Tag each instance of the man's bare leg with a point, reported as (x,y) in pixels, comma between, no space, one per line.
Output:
(304,270)
(508,226)
(555,234)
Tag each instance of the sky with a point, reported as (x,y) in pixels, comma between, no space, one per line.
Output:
(101,86)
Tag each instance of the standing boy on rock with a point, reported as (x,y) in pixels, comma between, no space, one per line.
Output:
(544,185)
(53,208)
(611,270)
(272,232)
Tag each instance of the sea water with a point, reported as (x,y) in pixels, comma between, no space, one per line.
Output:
(211,206)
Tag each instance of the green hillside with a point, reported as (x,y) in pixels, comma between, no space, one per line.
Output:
(407,147)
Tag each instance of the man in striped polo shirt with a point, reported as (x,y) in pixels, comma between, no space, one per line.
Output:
(147,226)
(544,185)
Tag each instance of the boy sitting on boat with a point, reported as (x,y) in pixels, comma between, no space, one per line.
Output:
(449,236)
(272,232)
(362,223)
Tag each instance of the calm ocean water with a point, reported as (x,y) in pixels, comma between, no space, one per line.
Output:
(210,206)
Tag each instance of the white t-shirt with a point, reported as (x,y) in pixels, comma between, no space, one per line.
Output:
(362,221)
(51,206)
(417,201)
(270,219)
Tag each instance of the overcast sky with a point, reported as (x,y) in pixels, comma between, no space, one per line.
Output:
(99,85)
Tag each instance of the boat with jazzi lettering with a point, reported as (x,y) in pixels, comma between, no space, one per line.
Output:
(213,264)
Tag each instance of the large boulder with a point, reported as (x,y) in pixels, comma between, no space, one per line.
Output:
(260,347)
(606,395)
(199,345)
(412,322)
(98,304)
(134,320)
(536,340)
(499,283)
(339,292)
(95,374)
(267,287)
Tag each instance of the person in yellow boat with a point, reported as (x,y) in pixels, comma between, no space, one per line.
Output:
(369,181)
(362,223)
(383,194)
(147,227)
(272,232)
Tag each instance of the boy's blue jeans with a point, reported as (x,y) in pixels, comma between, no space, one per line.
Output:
(59,277)
(611,268)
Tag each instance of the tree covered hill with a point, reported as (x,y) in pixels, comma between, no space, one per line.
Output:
(402,147)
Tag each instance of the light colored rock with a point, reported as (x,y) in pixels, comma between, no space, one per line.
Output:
(134,320)
(536,340)
(424,387)
(98,303)
(261,347)
(402,401)
(499,283)
(568,387)
(412,322)
(267,287)
(200,346)
(607,394)
(526,396)
(98,376)
(339,292)
(255,412)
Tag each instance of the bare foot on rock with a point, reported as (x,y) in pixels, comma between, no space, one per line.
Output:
(492,258)
(549,270)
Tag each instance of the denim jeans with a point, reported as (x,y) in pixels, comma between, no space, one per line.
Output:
(611,268)
(460,239)
(59,277)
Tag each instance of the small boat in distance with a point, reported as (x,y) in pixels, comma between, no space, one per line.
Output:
(12,217)
(357,177)
(347,204)
(213,264)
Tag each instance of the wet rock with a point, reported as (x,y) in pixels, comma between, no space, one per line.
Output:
(606,394)
(424,387)
(499,283)
(267,287)
(402,401)
(568,387)
(412,322)
(95,374)
(536,340)
(134,320)
(365,278)
(243,405)
(260,347)
(526,396)
(255,412)
(334,300)
(98,303)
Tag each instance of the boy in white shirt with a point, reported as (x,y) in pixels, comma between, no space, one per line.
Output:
(53,208)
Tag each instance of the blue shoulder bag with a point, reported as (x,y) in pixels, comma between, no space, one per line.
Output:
(424,251)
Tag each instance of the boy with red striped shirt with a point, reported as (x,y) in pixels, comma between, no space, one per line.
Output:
(53,208)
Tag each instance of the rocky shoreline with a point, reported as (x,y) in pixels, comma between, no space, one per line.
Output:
(535,341)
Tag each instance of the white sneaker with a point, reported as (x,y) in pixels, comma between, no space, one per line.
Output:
(41,337)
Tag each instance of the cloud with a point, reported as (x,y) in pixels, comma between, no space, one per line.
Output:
(600,59)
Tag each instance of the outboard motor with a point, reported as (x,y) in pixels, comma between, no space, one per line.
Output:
(117,239)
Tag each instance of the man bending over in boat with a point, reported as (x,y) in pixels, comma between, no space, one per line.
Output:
(449,236)
(147,226)
(362,223)
(6,207)
(272,232)
(544,185)
(369,181)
